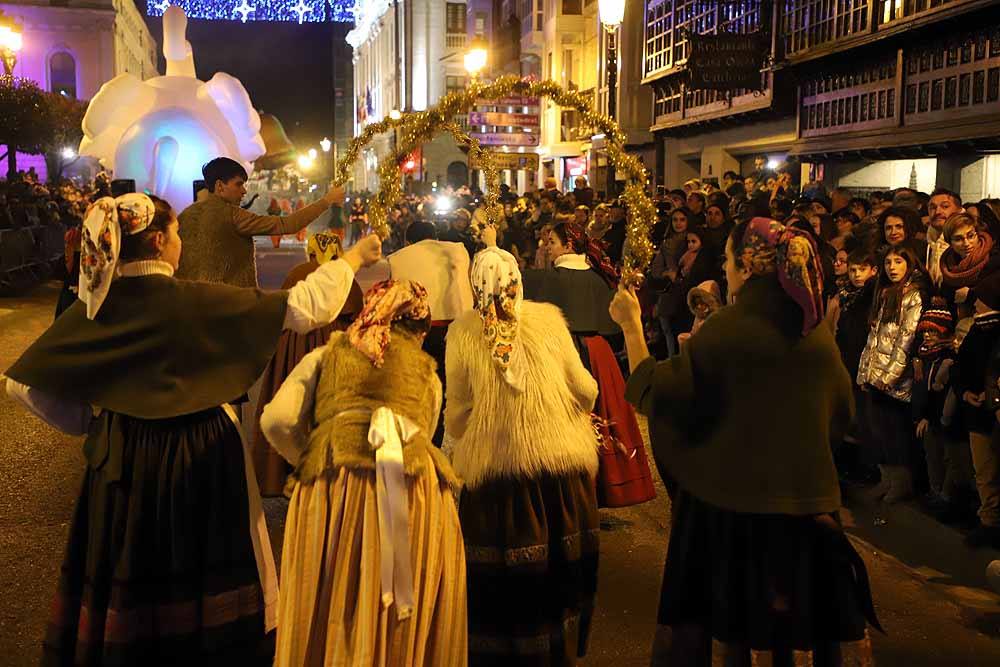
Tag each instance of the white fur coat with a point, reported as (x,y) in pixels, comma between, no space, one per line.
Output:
(500,433)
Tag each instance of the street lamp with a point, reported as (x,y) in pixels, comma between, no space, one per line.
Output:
(325,144)
(11,42)
(476,57)
(612,14)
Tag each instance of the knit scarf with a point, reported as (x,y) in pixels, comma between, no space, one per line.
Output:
(968,268)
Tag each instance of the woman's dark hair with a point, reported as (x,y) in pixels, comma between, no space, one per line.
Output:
(688,215)
(415,327)
(862,202)
(827,227)
(142,245)
(911,222)
(737,190)
(718,198)
(738,238)
(581,244)
(889,295)
(222,169)
(847,214)
(988,220)
(560,231)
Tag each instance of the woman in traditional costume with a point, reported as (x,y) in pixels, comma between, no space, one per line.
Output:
(272,470)
(581,283)
(518,412)
(757,559)
(373,565)
(168,560)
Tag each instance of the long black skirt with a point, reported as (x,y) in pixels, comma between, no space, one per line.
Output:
(531,550)
(764,581)
(160,566)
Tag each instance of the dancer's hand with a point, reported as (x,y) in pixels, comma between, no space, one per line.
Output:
(489,236)
(335,195)
(624,308)
(365,252)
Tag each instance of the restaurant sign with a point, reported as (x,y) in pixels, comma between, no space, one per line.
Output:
(726,61)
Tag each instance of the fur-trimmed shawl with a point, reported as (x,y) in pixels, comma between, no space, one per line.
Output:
(501,433)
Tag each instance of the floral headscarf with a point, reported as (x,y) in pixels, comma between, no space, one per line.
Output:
(594,250)
(105,222)
(385,303)
(769,247)
(324,247)
(498,291)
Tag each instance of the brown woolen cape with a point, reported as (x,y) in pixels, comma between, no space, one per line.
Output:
(158,348)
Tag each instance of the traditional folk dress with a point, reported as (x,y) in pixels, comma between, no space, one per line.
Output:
(624,477)
(168,560)
(518,412)
(757,559)
(271,468)
(373,566)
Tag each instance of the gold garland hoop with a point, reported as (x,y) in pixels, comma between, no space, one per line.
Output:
(421,126)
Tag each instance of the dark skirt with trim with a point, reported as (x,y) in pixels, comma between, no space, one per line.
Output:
(531,555)
(623,476)
(271,468)
(160,566)
(766,581)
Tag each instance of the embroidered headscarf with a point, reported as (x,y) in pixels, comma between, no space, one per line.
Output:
(498,291)
(324,247)
(771,247)
(385,303)
(106,220)
(594,250)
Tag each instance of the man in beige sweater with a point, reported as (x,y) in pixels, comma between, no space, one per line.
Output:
(218,234)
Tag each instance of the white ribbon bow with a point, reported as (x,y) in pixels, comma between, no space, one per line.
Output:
(386,433)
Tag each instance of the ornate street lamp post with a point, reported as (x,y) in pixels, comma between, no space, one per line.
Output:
(612,13)
(11,42)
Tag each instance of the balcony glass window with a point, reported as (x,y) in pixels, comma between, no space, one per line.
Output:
(455,17)
(62,74)
(572,7)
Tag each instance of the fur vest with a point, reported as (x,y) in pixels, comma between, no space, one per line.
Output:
(500,433)
(350,388)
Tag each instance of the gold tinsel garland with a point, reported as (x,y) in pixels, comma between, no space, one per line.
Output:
(417,127)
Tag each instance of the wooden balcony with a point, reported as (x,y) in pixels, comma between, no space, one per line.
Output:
(454,40)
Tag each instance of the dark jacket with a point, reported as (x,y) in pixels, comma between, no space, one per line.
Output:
(974,357)
(744,417)
(853,327)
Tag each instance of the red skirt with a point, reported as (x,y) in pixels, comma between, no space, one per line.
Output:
(271,469)
(623,477)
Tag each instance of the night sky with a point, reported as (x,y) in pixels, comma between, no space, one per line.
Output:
(286,67)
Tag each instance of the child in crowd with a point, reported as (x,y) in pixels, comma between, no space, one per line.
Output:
(703,301)
(883,369)
(948,463)
(849,314)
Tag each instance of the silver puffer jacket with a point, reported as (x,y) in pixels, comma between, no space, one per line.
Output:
(887,354)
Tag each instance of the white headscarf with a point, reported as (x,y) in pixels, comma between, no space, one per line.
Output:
(103,225)
(498,292)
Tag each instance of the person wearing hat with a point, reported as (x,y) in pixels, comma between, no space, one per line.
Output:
(949,467)
(974,358)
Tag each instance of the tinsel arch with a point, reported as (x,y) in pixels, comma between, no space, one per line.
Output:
(417,127)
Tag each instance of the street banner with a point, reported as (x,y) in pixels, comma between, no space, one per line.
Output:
(512,161)
(504,119)
(726,61)
(510,102)
(506,138)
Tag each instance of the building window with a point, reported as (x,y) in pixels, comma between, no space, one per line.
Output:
(480,24)
(455,17)
(62,74)
(572,7)
(454,84)
(809,23)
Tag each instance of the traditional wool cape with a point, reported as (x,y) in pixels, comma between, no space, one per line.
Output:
(743,418)
(158,348)
(583,297)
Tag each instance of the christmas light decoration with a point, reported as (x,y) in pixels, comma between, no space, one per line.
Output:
(299,11)
(416,128)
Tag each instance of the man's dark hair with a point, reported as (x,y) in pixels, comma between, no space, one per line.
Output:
(732,175)
(677,192)
(420,231)
(862,202)
(222,169)
(946,191)
(862,256)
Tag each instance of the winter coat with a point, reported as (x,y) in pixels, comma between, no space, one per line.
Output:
(853,327)
(975,359)
(499,432)
(886,357)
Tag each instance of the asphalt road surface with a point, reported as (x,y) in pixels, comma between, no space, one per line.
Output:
(935,609)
